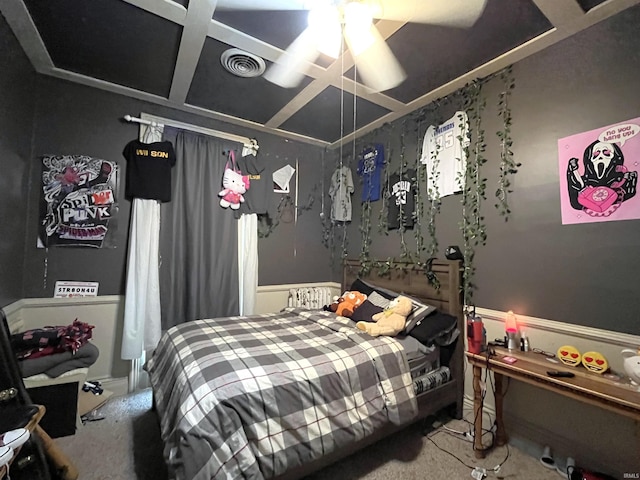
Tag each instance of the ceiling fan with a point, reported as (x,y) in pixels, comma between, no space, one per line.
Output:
(331,21)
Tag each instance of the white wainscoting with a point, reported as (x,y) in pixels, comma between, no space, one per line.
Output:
(104,312)
(596,438)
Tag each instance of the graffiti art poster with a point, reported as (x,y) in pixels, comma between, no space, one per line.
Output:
(599,174)
(79,202)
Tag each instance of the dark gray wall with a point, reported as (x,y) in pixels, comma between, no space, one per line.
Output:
(583,274)
(17,102)
(73,119)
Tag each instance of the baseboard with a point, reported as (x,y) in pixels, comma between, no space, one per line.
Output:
(118,386)
(529,437)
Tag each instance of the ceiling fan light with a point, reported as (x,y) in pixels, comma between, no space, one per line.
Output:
(359,41)
(358,27)
(358,15)
(324,21)
(330,44)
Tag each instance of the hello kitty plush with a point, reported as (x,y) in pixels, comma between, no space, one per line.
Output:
(235,184)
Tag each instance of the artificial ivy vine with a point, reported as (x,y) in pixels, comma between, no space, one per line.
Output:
(285,213)
(383,214)
(365,234)
(474,192)
(434,200)
(427,208)
(421,178)
(508,166)
(405,253)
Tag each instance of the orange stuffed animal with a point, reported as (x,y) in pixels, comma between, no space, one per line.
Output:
(347,303)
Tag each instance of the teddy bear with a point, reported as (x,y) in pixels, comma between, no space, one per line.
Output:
(347,303)
(391,320)
(235,184)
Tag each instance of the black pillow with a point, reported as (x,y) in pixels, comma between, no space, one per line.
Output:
(420,312)
(431,328)
(365,312)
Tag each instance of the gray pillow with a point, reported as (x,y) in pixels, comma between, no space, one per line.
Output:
(378,300)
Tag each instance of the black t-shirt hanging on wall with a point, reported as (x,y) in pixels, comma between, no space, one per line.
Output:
(149,170)
(258,198)
(402,190)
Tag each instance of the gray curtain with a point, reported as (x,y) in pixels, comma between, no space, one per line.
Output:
(198,238)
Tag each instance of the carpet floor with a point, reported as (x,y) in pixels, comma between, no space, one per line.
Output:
(126,444)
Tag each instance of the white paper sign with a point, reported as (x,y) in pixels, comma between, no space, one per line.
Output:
(66,289)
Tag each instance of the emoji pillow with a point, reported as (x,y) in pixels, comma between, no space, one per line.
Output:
(569,355)
(595,362)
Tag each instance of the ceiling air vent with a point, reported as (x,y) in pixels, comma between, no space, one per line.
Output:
(241,63)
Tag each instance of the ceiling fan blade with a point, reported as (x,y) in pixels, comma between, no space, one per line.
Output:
(289,69)
(447,13)
(376,64)
(265,4)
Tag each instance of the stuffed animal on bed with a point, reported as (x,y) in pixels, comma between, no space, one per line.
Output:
(391,320)
(347,303)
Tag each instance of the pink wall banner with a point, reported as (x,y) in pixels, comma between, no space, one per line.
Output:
(599,174)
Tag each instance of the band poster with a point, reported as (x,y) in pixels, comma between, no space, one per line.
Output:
(79,202)
(599,174)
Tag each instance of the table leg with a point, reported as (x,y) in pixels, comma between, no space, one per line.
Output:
(501,434)
(477,412)
(63,465)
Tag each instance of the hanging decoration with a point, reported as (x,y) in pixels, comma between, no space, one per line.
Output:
(285,213)
(468,179)
(474,192)
(403,185)
(508,166)
(79,202)
(383,214)
(421,178)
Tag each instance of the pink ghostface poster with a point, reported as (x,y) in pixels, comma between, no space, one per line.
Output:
(599,174)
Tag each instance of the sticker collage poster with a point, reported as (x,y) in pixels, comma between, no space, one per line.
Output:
(599,174)
(79,202)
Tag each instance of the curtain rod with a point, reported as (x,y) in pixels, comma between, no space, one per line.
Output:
(152,120)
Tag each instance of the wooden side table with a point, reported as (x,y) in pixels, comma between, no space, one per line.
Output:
(588,387)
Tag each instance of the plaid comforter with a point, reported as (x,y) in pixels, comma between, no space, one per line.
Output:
(252,397)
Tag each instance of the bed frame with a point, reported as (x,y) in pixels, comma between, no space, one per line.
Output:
(411,281)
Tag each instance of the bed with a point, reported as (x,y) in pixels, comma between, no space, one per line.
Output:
(282,395)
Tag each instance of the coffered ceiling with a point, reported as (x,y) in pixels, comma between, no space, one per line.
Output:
(169,53)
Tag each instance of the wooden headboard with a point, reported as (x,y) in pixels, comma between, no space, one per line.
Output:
(447,298)
(414,282)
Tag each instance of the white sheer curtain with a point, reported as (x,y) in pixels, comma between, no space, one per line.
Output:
(248,262)
(142,301)
(141,329)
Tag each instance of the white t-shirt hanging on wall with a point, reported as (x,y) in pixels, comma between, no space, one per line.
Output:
(340,191)
(452,161)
